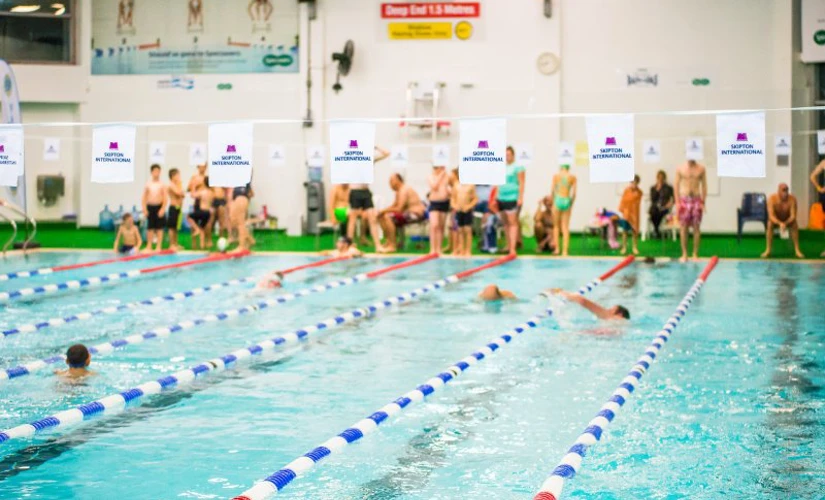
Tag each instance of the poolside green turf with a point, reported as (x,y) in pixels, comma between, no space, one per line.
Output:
(60,235)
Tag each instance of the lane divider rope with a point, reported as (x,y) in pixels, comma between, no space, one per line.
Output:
(281,478)
(82,265)
(33,327)
(116,403)
(110,278)
(159,333)
(571,462)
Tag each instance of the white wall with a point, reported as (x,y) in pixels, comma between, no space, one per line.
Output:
(743,46)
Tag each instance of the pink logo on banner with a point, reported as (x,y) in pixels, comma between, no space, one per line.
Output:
(230,148)
(353,144)
(741,137)
(113,146)
(483,145)
(610,141)
(2,148)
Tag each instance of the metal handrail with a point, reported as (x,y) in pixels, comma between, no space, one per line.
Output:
(13,236)
(29,220)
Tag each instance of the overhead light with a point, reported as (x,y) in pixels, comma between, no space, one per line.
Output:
(25,8)
(60,9)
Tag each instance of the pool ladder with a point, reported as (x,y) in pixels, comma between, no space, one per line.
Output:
(29,222)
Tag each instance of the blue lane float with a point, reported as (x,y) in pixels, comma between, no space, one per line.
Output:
(40,325)
(283,477)
(116,403)
(570,464)
(158,333)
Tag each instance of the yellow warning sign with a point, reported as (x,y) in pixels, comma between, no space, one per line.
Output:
(463,30)
(420,31)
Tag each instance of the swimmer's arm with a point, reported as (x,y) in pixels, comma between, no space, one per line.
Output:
(521,177)
(143,201)
(597,310)
(573,190)
(677,180)
(175,190)
(473,201)
(506,294)
(772,211)
(165,203)
(704,181)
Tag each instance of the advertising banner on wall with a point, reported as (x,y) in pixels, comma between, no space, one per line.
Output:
(230,154)
(813,31)
(113,154)
(11,154)
(10,113)
(352,151)
(610,140)
(482,151)
(173,37)
(740,142)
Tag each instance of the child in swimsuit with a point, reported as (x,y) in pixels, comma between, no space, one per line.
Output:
(128,240)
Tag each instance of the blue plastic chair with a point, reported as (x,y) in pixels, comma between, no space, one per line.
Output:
(754,209)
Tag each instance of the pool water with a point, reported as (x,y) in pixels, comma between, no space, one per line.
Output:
(733,405)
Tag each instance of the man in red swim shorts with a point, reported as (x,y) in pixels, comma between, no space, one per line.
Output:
(406,208)
(691,190)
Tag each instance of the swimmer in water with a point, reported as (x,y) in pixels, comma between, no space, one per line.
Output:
(78,358)
(271,281)
(615,313)
(344,248)
(493,293)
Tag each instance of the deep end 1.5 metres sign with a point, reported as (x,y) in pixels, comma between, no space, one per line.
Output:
(431,20)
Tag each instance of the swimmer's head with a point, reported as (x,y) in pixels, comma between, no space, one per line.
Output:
(206,181)
(396,181)
(564,167)
(127,220)
(273,282)
(174,174)
(490,292)
(636,180)
(620,311)
(77,356)
(343,244)
(202,169)
(511,154)
(155,171)
(650,260)
(548,202)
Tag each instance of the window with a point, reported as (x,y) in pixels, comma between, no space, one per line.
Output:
(37,31)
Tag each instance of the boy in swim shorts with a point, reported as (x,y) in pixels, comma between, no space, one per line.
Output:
(691,190)
(175,191)
(128,240)
(154,205)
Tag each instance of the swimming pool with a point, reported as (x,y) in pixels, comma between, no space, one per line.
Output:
(733,405)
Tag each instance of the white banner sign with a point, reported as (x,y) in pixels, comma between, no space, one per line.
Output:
(197,154)
(813,31)
(567,153)
(400,156)
(820,142)
(482,149)
(11,154)
(157,152)
(277,155)
(441,155)
(113,154)
(610,140)
(782,146)
(352,152)
(51,149)
(315,155)
(230,154)
(694,149)
(652,151)
(740,143)
(524,153)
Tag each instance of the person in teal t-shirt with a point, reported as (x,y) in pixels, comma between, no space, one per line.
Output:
(510,199)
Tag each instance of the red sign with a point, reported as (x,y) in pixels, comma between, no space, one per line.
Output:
(424,10)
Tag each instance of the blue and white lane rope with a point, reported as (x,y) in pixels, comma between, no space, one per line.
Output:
(34,327)
(108,347)
(70,267)
(280,479)
(571,462)
(68,285)
(116,403)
